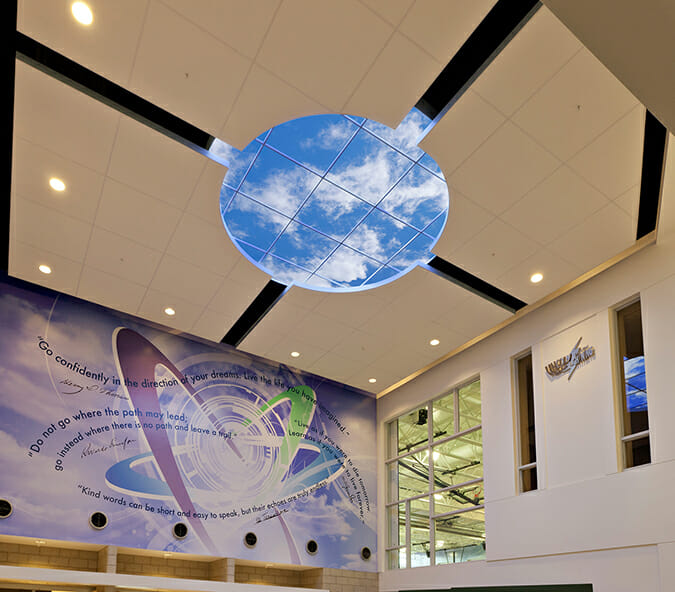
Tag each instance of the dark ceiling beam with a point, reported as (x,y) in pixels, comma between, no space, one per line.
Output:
(263,303)
(8,14)
(494,32)
(651,182)
(96,86)
(474,284)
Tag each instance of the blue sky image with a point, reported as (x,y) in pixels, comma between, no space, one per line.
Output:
(636,386)
(334,202)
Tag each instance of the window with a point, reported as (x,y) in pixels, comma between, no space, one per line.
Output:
(633,387)
(527,449)
(434,472)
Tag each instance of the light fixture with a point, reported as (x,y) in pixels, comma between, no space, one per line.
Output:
(169,311)
(295,354)
(535,278)
(39,542)
(82,13)
(167,554)
(434,342)
(57,184)
(438,496)
(45,269)
(372,380)
(439,544)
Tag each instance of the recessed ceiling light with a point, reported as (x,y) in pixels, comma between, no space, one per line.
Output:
(45,269)
(167,554)
(535,278)
(170,311)
(434,342)
(295,354)
(40,542)
(82,13)
(372,380)
(57,184)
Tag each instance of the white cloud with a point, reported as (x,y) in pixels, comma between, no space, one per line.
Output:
(332,137)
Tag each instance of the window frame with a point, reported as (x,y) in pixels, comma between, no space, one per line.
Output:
(518,436)
(391,458)
(619,387)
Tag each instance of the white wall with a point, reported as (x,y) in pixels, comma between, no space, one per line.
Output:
(589,522)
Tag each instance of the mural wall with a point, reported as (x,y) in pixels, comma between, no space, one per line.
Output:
(100,412)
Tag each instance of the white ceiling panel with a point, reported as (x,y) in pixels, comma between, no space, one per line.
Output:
(536,53)
(613,161)
(25,259)
(116,24)
(465,219)
(51,114)
(212,325)
(136,216)
(49,229)
(581,101)
(441,26)
(600,236)
(390,10)
(203,245)
(240,25)
(281,352)
(324,48)
(265,100)
(153,305)
(179,68)
(205,200)
(188,282)
(110,290)
(556,271)
(120,257)
(629,202)
(232,299)
(554,206)
(34,166)
(395,82)
(507,165)
(337,367)
(495,249)
(470,122)
(474,316)
(154,164)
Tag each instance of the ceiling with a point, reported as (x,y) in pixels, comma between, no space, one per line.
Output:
(542,154)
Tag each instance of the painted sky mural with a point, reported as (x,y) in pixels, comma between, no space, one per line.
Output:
(100,412)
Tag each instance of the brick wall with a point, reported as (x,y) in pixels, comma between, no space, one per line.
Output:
(246,574)
(159,566)
(44,556)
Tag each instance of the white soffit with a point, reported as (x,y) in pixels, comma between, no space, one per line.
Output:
(546,151)
(382,333)
(116,25)
(132,230)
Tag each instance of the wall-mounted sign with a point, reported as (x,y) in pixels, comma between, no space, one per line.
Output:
(569,363)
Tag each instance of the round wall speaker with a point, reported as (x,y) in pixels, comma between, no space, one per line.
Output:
(312,547)
(250,539)
(365,553)
(98,520)
(5,508)
(180,530)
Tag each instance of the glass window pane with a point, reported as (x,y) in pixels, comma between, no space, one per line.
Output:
(637,452)
(444,416)
(528,452)
(393,559)
(458,460)
(413,475)
(460,538)
(419,532)
(458,499)
(631,349)
(469,405)
(412,429)
(528,479)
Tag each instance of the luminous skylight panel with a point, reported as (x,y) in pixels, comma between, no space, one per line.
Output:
(334,202)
